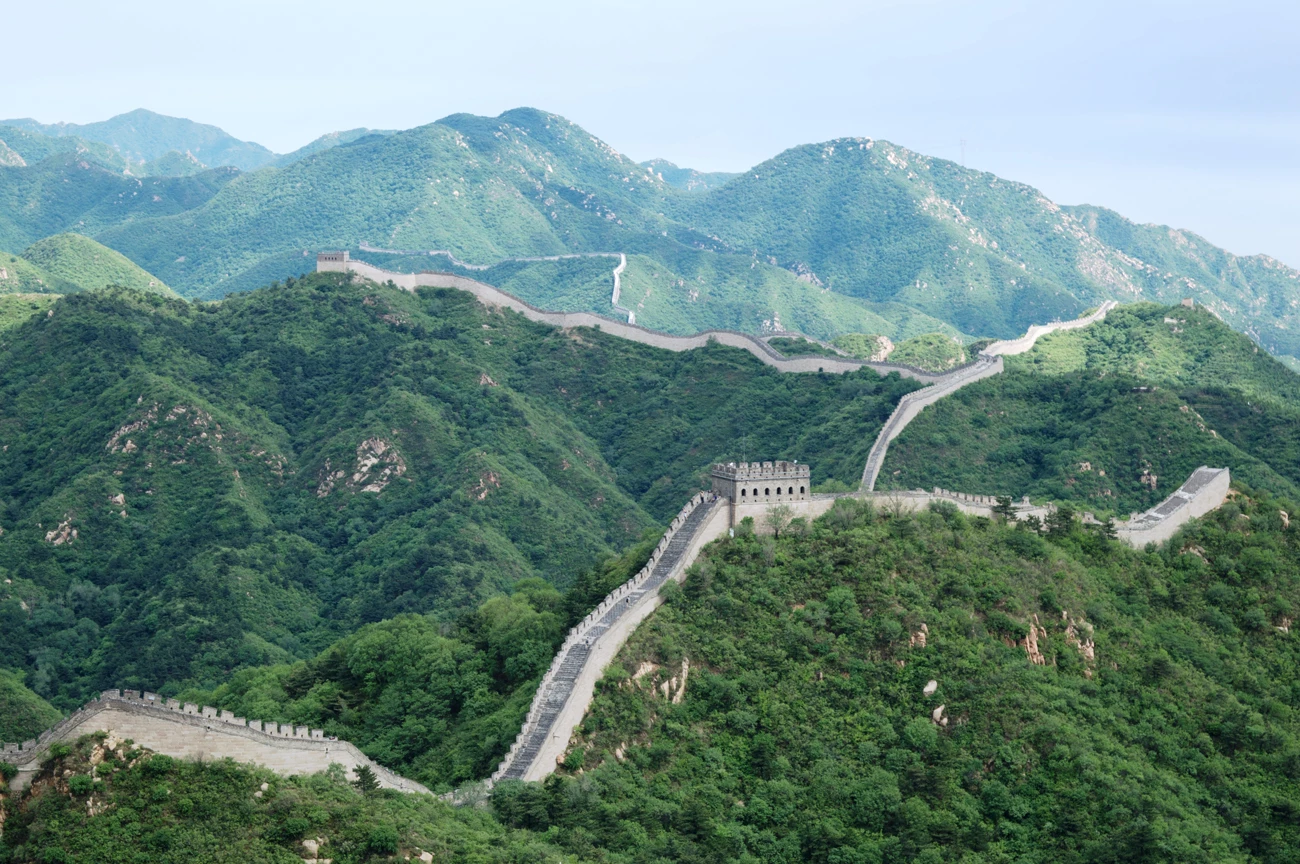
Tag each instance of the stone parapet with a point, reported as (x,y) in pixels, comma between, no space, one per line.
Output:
(188,731)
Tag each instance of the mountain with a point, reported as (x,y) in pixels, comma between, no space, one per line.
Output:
(327,141)
(68,192)
(877,687)
(142,136)
(192,489)
(173,164)
(863,229)
(22,148)
(1113,417)
(687,178)
(77,263)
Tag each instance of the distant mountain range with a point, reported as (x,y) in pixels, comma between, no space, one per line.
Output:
(851,235)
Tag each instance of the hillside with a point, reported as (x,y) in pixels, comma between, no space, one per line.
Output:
(17,308)
(20,276)
(850,235)
(806,729)
(142,136)
(875,687)
(23,714)
(193,489)
(688,179)
(66,192)
(77,263)
(22,148)
(872,219)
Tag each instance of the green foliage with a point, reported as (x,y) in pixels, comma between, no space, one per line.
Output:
(933,352)
(863,345)
(23,714)
(1112,443)
(799,347)
(804,732)
(510,450)
(367,784)
(17,308)
(177,812)
(77,263)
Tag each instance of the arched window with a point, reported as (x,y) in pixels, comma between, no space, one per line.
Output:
(801,490)
(767,491)
(742,492)
(755,493)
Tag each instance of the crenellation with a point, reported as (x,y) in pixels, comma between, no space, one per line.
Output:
(190,734)
(191,708)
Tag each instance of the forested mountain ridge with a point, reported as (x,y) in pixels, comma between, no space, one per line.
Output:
(893,236)
(142,136)
(312,457)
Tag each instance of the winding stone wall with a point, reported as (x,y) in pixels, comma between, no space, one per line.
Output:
(190,732)
(491,296)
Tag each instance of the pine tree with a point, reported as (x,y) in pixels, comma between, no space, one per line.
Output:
(366,781)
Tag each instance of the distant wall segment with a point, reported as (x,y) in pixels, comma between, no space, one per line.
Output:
(187,731)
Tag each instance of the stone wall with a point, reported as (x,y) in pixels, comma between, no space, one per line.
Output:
(495,297)
(913,403)
(1202,492)
(192,732)
(567,687)
(1009,347)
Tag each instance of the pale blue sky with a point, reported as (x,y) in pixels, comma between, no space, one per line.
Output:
(1181,113)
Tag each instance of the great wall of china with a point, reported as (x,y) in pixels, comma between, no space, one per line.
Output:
(565,691)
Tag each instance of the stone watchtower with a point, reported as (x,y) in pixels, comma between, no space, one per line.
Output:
(762,482)
(332,262)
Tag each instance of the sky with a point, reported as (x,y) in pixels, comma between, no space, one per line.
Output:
(1179,113)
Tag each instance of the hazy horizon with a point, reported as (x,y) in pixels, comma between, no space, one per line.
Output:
(1175,113)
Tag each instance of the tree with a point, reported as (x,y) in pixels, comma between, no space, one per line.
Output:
(1003,509)
(778,518)
(366,782)
(1060,522)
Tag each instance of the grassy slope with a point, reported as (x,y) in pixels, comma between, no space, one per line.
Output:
(23,714)
(525,452)
(804,733)
(77,260)
(933,351)
(17,308)
(25,277)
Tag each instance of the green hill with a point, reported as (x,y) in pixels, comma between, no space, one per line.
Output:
(23,714)
(1071,700)
(22,147)
(846,235)
(78,263)
(173,164)
(142,136)
(21,276)
(68,193)
(17,308)
(688,178)
(300,461)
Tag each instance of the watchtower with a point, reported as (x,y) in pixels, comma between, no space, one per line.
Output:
(762,482)
(332,262)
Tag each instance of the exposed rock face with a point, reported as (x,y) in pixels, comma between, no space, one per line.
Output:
(64,533)
(1030,643)
(378,464)
(930,687)
(919,638)
(1078,633)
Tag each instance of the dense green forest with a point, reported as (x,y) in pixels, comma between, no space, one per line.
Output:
(1091,703)
(191,489)
(1113,416)
(1151,717)
(71,262)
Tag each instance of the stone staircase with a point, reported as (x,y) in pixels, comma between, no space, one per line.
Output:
(560,684)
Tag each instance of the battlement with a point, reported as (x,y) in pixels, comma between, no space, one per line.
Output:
(761,482)
(187,730)
(332,262)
